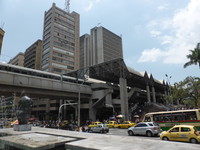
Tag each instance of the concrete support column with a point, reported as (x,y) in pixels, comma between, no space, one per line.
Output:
(47,109)
(109,103)
(154,94)
(92,111)
(109,99)
(165,92)
(148,94)
(124,97)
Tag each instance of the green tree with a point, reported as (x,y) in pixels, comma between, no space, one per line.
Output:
(192,85)
(179,93)
(194,58)
(186,92)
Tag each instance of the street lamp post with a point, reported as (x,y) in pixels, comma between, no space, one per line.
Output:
(170,92)
(79,105)
(79,99)
(59,119)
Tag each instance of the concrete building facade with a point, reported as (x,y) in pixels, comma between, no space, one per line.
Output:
(100,46)
(18,60)
(60,52)
(85,51)
(1,38)
(32,56)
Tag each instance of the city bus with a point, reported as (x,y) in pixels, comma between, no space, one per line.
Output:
(168,119)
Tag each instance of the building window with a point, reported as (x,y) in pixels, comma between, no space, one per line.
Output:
(63,45)
(63,51)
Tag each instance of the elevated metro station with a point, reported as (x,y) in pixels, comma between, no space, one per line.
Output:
(105,90)
(124,91)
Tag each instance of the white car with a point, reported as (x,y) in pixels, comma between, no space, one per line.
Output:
(101,128)
(145,128)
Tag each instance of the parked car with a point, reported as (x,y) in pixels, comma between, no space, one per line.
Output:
(94,124)
(111,124)
(145,128)
(184,133)
(125,125)
(101,128)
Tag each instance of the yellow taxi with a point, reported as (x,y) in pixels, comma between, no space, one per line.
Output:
(14,122)
(63,123)
(125,125)
(111,124)
(94,124)
(183,133)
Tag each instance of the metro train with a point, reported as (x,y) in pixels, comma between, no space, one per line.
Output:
(33,72)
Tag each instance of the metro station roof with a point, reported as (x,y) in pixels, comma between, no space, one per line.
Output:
(111,71)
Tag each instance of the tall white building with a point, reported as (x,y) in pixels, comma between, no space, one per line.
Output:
(100,46)
(61,34)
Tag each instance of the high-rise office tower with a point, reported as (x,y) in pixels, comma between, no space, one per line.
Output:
(61,45)
(1,38)
(100,46)
(32,56)
(85,51)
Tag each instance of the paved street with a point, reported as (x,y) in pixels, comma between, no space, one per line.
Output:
(123,132)
(116,139)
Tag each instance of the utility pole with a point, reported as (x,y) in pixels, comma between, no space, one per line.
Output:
(170,90)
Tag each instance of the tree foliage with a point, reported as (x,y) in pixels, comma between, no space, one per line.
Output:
(186,92)
(194,58)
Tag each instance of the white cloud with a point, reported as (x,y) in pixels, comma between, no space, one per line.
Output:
(151,55)
(166,39)
(181,33)
(89,7)
(155,33)
(163,7)
(91,3)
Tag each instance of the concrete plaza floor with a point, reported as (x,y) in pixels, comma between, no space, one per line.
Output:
(45,138)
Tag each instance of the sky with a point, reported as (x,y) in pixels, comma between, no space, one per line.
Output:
(156,34)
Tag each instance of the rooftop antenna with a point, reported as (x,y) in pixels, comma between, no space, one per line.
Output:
(99,24)
(67,6)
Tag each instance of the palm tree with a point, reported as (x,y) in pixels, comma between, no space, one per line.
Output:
(194,57)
